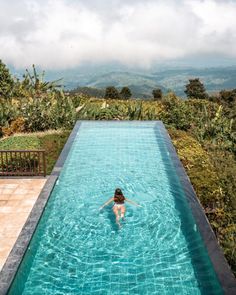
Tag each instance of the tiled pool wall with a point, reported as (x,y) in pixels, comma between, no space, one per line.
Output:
(218,260)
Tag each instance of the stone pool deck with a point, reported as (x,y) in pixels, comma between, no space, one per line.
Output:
(17,198)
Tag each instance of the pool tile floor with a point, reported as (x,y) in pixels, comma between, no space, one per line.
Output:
(17,198)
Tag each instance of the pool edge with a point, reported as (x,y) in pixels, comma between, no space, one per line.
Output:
(9,269)
(218,260)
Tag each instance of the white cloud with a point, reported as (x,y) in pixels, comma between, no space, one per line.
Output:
(63,33)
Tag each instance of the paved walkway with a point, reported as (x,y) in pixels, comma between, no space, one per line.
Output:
(17,198)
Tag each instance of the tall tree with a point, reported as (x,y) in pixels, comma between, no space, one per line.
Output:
(196,89)
(157,94)
(111,93)
(125,93)
(6,81)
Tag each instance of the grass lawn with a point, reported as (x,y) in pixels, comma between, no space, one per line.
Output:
(50,141)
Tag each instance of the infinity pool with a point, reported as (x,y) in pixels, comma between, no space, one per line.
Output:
(77,249)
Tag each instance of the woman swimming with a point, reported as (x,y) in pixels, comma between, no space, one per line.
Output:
(119,205)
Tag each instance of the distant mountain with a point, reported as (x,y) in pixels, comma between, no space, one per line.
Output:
(214,79)
(141,85)
(142,82)
(90,91)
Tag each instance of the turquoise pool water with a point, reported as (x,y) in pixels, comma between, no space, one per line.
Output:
(77,249)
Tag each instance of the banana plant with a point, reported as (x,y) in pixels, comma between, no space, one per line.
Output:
(35,82)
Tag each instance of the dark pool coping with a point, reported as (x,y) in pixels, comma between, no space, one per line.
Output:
(221,267)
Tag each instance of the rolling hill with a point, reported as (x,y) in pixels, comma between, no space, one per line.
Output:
(142,82)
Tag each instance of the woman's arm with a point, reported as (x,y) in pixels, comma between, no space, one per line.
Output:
(132,202)
(107,202)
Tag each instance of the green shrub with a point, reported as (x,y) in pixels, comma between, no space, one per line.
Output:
(51,112)
(9,111)
(212,172)
(199,168)
(177,113)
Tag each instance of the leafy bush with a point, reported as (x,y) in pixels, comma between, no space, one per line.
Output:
(199,167)
(177,113)
(212,172)
(51,112)
(16,126)
(9,111)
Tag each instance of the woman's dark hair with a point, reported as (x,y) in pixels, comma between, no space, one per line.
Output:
(118,192)
(118,195)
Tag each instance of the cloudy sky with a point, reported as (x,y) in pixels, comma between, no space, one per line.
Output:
(61,34)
